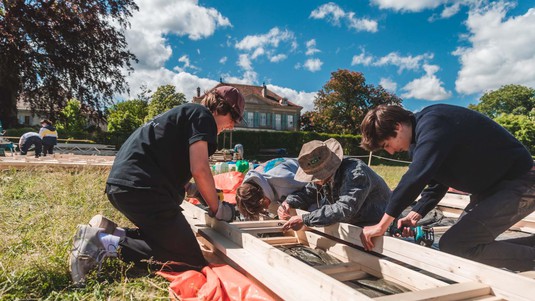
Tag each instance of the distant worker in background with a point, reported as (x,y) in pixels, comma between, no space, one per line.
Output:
(263,191)
(339,189)
(49,136)
(456,147)
(238,152)
(27,140)
(147,184)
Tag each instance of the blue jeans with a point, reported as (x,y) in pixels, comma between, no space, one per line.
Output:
(489,215)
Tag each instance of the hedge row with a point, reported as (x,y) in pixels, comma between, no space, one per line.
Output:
(252,141)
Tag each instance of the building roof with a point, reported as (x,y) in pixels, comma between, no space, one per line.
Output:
(270,97)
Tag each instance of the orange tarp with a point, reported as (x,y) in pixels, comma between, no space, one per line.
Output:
(218,282)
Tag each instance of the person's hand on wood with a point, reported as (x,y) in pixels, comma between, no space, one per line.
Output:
(295,223)
(284,211)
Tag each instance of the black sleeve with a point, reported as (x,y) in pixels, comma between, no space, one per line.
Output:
(431,196)
(434,140)
(202,126)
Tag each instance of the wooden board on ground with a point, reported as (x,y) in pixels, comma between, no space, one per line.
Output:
(275,269)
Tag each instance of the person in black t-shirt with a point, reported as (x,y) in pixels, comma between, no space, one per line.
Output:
(146,184)
(456,147)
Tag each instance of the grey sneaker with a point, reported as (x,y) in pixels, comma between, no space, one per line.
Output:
(100,221)
(87,253)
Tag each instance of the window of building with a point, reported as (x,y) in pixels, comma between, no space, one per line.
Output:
(278,121)
(263,119)
(27,120)
(250,119)
(290,124)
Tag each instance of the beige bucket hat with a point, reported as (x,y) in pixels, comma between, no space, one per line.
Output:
(318,160)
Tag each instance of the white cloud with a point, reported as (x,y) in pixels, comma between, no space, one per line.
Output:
(304,99)
(408,5)
(313,65)
(273,38)
(182,18)
(361,59)
(266,44)
(184,82)
(244,62)
(186,64)
(402,62)
(277,58)
(223,60)
(311,47)
(427,87)
(388,84)
(334,14)
(501,52)
(330,11)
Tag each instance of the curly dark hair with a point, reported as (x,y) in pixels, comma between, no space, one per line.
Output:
(249,198)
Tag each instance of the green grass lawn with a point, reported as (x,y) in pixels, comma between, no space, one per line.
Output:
(39,211)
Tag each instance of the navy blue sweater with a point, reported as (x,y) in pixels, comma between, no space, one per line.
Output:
(460,148)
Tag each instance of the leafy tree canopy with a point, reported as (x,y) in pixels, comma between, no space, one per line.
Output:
(342,103)
(125,117)
(521,126)
(509,99)
(53,51)
(164,99)
(71,118)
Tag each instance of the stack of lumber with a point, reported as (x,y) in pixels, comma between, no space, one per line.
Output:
(426,273)
(56,160)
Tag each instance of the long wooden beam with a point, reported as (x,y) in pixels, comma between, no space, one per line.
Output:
(288,277)
(505,284)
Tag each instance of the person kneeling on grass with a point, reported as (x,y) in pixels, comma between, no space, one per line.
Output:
(146,184)
(27,140)
(263,192)
(340,189)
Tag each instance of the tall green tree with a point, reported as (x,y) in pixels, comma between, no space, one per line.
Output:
(164,99)
(52,51)
(125,117)
(509,99)
(71,117)
(343,101)
(521,126)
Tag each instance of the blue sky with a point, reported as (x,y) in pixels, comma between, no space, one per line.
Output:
(425,51)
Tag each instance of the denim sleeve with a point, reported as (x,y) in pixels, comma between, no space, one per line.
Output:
(303,198)
(353,187)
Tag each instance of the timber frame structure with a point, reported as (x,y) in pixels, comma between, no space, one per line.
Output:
(428,274)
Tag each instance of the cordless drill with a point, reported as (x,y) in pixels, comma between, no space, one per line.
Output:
(423,235)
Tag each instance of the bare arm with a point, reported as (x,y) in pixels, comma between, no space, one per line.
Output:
(200,169)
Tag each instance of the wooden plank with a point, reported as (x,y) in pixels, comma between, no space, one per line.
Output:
(280,240)
(505,284)
(288,277)
(373,265)
(458,291)
(338,267)
(262,230)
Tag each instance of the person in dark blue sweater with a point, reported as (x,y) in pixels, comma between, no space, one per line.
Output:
(451,146)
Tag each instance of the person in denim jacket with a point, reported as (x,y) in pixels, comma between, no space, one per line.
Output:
(340,189)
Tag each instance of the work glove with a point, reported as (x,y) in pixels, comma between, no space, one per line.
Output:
(225,212)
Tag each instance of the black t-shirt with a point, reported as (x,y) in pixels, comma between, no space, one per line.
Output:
(156,155)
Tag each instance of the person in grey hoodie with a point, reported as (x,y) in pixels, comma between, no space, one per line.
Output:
(339,190)
(262,192)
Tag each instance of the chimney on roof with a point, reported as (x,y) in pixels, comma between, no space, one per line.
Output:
(264,90)
(198,91)
(220,79)
(283,101)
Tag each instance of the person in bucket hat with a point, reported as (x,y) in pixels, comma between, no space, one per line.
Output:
(339,189)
